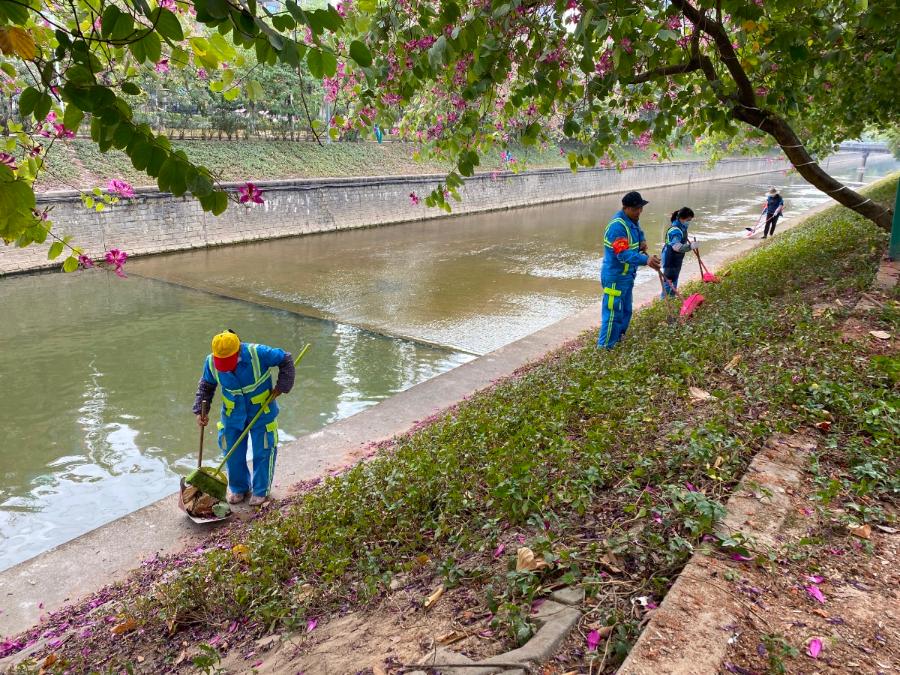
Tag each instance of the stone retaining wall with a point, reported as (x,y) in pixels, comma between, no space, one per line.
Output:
(155,222)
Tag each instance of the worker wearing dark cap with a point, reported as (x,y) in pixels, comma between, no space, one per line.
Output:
(624,250)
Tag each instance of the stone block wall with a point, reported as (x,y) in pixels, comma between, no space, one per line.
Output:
(155,222)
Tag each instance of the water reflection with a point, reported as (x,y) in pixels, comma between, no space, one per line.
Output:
(102,376)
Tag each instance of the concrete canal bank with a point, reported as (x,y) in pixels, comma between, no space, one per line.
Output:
(155,222)
(106,554)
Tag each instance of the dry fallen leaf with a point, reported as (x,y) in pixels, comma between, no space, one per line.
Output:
(734,362)
(50,660)
(527,562)
(126,626)
(863,531)
(241,552)
(378,670)
(698,394)
(880,334)
(824,425)
(451,637)
(434,597)
(821,612)
(885,528)
(422,559)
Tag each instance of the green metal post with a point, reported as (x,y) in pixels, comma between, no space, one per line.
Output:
(894,250)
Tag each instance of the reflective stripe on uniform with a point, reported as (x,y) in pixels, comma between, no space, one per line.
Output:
(613,293)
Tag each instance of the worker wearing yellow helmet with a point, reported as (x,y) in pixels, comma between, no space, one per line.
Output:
(243,371)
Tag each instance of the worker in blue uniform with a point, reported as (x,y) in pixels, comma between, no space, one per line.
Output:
(675,246)
(624,250)
(243,371)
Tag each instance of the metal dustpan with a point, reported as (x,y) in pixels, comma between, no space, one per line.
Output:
(200,520)
(192,491)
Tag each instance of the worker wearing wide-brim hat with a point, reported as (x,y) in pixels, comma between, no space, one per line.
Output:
(774,207)
(243,371)
(624,250)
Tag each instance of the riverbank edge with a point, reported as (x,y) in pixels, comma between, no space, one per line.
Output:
(107,554)
(155,223)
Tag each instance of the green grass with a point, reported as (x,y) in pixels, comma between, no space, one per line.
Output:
(79,164)
(587,454)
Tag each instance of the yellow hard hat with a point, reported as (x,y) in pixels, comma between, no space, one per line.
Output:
(225,344)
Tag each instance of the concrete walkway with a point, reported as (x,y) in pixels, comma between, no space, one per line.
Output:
(105,555)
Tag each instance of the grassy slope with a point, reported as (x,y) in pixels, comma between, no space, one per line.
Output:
(79,164)
(585,455)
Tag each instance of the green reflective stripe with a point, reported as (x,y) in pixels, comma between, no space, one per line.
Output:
(254,360)
(612,292)
(212,368)
(673,230)
(220,425)
(627,232)
(261,398)
(625,268)
(229,406)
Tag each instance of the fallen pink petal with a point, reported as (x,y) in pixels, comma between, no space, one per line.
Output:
(593,639)
(815,578)
(311,625)
(816,593)
(740,558)
(499,550)
(814,648)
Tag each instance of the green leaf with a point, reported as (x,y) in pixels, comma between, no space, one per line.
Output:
(108,21)
(70,264)
(42,107)
(123,28)
(73,117)
(167,24)
(255,91)
(360,53)
(28,100)
(314,61)
(55,251)
(131,88)
(437,53)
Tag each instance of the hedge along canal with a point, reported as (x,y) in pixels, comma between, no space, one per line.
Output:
(113,392)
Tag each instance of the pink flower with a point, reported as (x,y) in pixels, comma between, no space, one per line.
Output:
(167,4)
(814,648)
(626,45)
(85,262)
(120,188)
(117,259)
(51,117)
(201,73)
(414,199)
(593,639)
(690,487)
(62,132)
(814,592)
(162,66)
(8,160)
(250,193)
(36,150)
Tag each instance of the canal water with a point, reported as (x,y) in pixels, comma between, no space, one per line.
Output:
(99,373)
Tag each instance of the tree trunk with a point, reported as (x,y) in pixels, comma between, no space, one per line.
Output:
(807,167)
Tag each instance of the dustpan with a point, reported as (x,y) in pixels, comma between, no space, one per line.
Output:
(691,303)
(707,276)
(199,507)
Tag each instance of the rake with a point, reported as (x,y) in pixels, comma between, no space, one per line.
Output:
(212,481)
(705,274)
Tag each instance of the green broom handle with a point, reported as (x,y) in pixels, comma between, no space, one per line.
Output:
(256,416)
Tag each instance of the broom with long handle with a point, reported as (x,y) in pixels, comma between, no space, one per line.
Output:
(212,481)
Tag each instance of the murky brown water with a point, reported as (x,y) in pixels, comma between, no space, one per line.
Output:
(472,282)
(101,376)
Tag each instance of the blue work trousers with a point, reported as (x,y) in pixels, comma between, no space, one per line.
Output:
(615,313)
(264,445)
